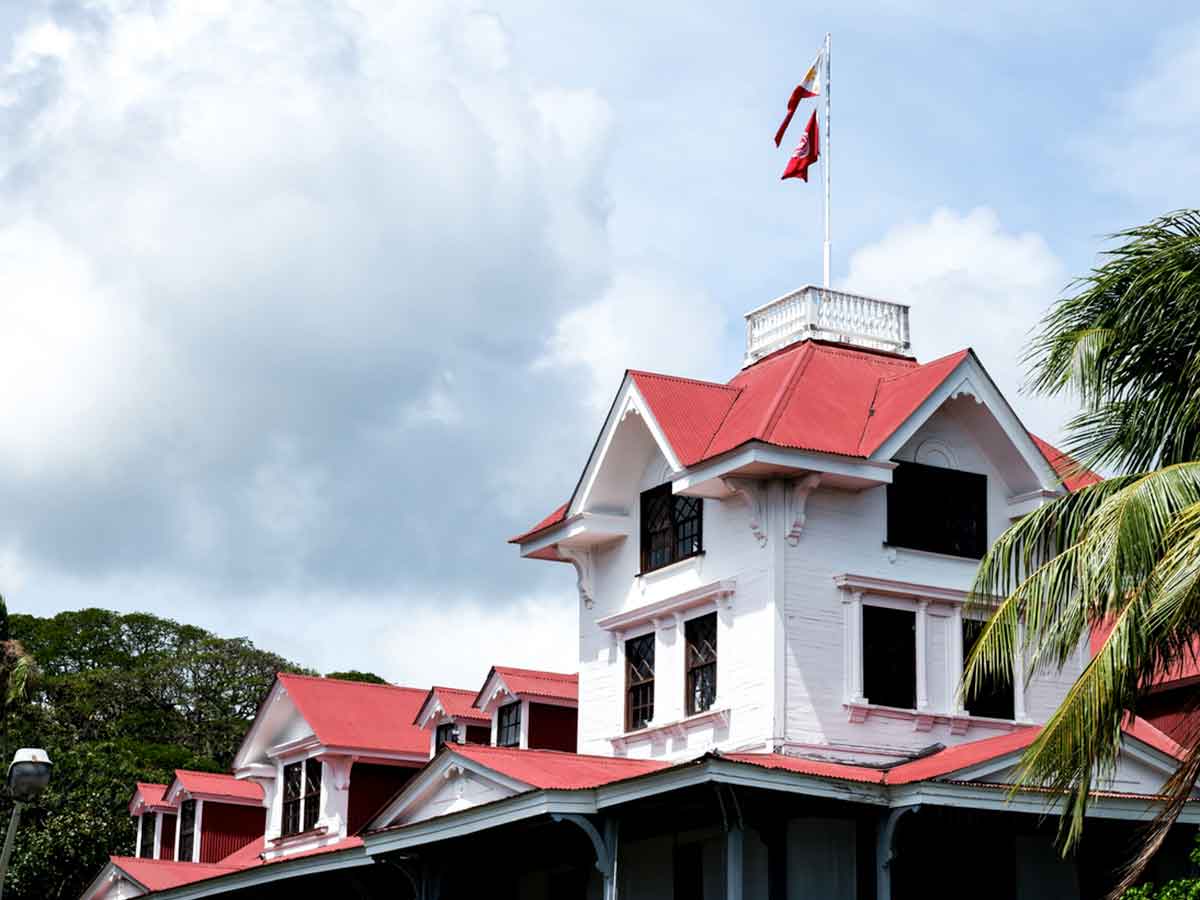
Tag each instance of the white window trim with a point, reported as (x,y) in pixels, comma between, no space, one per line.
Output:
(321,798)
(195,828)
(917,599)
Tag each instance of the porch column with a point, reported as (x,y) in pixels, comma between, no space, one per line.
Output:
(733,864)
(604,845)
(922,639)
(884,850)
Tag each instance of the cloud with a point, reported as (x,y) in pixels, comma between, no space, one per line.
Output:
(643,321)
(1143,146)
(970,282)
(272,277)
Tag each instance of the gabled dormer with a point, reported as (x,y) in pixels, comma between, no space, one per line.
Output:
(450,717)
(217,815)
(530,709)
(780,562)
(155,822)
(327,753)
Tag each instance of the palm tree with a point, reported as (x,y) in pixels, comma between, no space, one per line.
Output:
(1124,553)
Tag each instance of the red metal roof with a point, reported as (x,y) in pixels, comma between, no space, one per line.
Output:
(534,683)
(827,398)
(1074,477)
(218,785)
(160,874)
(153,796)
(554,769)
(359,715)
(456,703)
(803,766)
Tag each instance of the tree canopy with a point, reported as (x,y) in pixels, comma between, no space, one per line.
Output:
(120,698)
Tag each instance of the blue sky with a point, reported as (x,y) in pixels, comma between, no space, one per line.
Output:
(309,306)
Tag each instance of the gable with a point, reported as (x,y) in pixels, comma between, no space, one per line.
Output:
(278,722)
(448,784)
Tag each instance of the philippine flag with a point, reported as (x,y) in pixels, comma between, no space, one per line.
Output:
(809,87)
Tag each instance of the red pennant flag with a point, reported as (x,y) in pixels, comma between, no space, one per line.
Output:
(807,152)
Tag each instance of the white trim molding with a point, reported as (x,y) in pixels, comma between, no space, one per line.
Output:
(716,592)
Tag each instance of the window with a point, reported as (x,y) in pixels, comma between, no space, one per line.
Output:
(301,796)
(889,651)
(671,527)
(936,509)
(701,637)
(187,829)
(446,733)
(639,681)
(146,839)
(508,725)
(994,697)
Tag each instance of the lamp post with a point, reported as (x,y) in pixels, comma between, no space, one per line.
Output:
(28,775)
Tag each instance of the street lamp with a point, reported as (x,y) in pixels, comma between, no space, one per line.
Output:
(28,775)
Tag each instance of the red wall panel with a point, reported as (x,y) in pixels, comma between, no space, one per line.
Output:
(166,838)
(371,786)
(552,727)
(226,827)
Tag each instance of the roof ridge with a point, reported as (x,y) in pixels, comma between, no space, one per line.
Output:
(775,411)
(365,684)
(919,367)
(697,381)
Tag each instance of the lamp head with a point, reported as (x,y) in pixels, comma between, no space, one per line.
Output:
(28,773)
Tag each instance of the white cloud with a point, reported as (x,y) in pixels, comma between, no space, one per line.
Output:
(643,321)
(1144,143)
(970,282)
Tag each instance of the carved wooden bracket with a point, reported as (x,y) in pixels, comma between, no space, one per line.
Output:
(754,494)
(797,503)
(582,561)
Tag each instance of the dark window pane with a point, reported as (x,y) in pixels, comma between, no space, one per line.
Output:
(187,829)
(890,657)
(701,638)
(639,681)
(146,843)
(447,733)
(508,725)
(671,527)
(936,509)
(994,697)
(292,784)
(312,793)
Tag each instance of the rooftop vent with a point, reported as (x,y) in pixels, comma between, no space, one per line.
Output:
(826,315)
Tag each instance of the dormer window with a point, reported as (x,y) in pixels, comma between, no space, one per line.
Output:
(938,510)
(301,796)
(146,836)
(187,829)
(508,725)
(671,527)
(446,733)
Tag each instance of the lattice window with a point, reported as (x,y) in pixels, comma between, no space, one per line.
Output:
(508,725)
(639,681)
(672,527)
(301,796)
(701,637)
(187,829)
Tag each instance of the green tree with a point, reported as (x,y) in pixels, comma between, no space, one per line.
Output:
(1124,553)
(121,698)
(355,675)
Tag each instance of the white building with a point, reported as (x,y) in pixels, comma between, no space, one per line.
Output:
(773,576)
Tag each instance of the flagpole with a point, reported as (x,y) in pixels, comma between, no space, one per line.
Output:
(825,153)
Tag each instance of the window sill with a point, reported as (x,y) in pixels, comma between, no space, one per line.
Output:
(678,728)
(925,720)
(300,836)
(892,551)
(680,563)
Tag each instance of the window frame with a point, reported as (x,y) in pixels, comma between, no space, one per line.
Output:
(307,799)
(681,529)
(641,686)
(444,728)
(512,728)
(146,830)
(1011,698)
(912,487)
(691,668)
(188,854)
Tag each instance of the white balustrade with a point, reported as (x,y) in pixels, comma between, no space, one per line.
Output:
(823,314)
